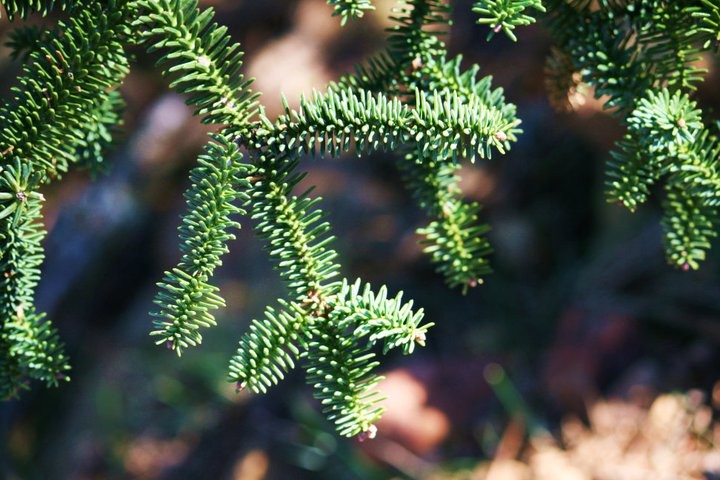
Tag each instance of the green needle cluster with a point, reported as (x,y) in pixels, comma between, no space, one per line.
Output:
(412,99)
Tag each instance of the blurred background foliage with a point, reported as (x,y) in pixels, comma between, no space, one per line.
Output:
(584,355)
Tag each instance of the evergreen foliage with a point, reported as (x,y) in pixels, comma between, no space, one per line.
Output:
(642,58)
(506,15)
(20,8)
(185,297)
(63,89)
(29,345)
(349,9)
(412,99)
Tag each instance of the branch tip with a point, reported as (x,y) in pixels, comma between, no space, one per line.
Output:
(368,434)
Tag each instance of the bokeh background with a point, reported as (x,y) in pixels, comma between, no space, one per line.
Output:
(583,356)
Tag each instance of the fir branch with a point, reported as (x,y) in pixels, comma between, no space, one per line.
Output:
(29,345)
(350,9)
(659,129)
(335,122)
(689,226)
(61,90)
(201,57)
(631,173)
(205,65)
(101,135)
(458,126)
(342,374)
(625,49)
(414,40)
(411,44)
(446,75)
(186,298)
(604,59)
(381,319)
(412,98)
(334,335)
(455,241)
(665,122)
(30,349)
(55,101)
(708,15)
(506,15)
(270,348)
(23,8)
(293,227)
(432,180)
(339,358)
(443,123)
(185,304)
(666,44)
(643,56)
(22,235)
(691,217)
(697,170)
(666,137)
